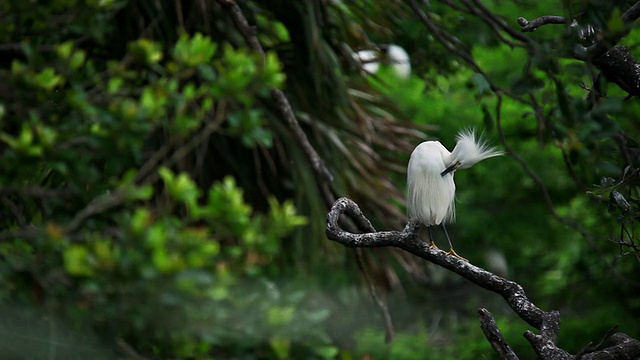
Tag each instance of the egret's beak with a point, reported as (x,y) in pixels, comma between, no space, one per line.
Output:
(451,168)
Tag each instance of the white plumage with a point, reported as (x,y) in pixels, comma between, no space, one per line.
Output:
(430,172)
(431,195)
(394,55)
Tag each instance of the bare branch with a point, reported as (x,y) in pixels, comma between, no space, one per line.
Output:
(591,347)
(278,97)
(529,26)
(495,338)
(632,14)
(620,67)
(622,347)
(37,192)
(27,231)
(545,348)
(496,24)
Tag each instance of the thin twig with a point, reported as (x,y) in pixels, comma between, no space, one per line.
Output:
(528,26)
(590,347)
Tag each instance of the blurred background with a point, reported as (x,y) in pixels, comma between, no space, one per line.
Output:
(154,203)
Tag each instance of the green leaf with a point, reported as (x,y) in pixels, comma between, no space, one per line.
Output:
(156,236)
(46,79)
(615,23)
(226,203)
(273,70)
(280,346)
(146,50)
(181,188)
(47,135)
(283,217)
(326,351)
(481,83)
(193,51)
(65,49)
(77,59)
(114,85)
(140,220)
(280,315)
(105,253)
(76,261)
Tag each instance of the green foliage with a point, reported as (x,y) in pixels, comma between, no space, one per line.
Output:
(404,346)
(182,269)
(193,51)
(132,248)
(153,199)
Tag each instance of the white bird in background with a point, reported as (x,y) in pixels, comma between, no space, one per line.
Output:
(430,200)
(391,54)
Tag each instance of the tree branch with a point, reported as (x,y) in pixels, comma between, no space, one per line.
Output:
(598,48)
(529,26)
(408,240)
(548,323)
(493,335)
(622,347)
(545,348)
(591,347)
(278,97)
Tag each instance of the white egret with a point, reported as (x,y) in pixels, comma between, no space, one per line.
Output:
(391,54)
(430,200)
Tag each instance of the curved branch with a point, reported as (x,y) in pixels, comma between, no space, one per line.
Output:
(547,322)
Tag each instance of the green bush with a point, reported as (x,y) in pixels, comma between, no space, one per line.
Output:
(104,234)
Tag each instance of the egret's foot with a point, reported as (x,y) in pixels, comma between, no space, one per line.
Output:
(452,252)
(433,245)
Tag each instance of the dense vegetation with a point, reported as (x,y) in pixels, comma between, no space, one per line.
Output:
(155,202)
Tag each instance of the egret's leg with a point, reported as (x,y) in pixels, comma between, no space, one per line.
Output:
(432,244)
(451,251)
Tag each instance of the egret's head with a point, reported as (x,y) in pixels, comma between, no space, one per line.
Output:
(451,168)
(468,151)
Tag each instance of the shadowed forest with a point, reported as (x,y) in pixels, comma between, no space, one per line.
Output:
(167,168)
